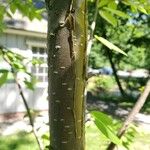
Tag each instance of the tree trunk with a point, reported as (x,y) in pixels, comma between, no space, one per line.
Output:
(66,46)
(109,53)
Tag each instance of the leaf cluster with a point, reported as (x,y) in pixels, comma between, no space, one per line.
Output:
(125,25)
(108,127)
(25,7)
(18,64)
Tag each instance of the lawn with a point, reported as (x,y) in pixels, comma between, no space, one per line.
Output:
(18,141)
(94,141)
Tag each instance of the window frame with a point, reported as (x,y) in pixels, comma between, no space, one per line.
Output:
(37,44)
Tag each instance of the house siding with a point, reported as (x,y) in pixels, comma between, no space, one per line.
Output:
(10,100)
(13,41)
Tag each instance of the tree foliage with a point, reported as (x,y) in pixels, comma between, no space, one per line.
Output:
(129,32)
(26,8)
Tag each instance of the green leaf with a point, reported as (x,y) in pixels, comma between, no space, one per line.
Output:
(103,3)
(105,128)
(30,84)
(19,57)
(117,12)
(45,136)
(2,11)
(112,5)
(9,14)
(13,8)
(126,2)
(104,118)
(134,9)
(18,65)
(147,7)
(2,27)
(108,17)
(142,9)
(3,78)
(37,61)
(10,56)
(4,70)
(110,45)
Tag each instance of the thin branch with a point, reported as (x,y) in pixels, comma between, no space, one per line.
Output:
(93,25)
(29,113)
(137,107)
(109,53)
(24,100)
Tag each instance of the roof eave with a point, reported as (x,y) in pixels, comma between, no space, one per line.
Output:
(25,33)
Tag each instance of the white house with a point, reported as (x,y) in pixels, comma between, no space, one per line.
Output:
(27,38)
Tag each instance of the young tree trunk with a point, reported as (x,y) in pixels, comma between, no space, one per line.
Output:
(137,107)
(66,47)
(109,53)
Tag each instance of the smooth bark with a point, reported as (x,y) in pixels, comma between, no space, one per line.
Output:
(66,47)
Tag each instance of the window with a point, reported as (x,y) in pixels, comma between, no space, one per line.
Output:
(40,71)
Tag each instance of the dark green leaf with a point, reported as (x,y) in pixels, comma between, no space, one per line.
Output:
(45,136)
(4,71)
(3,78)
(108,17)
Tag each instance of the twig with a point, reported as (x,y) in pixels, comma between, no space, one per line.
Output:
(29,114)
(109,53)
(24,101)
(93,25)
(137,107)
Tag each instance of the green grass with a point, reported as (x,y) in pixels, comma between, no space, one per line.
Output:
(94,141)
(142,142)
(18,141)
